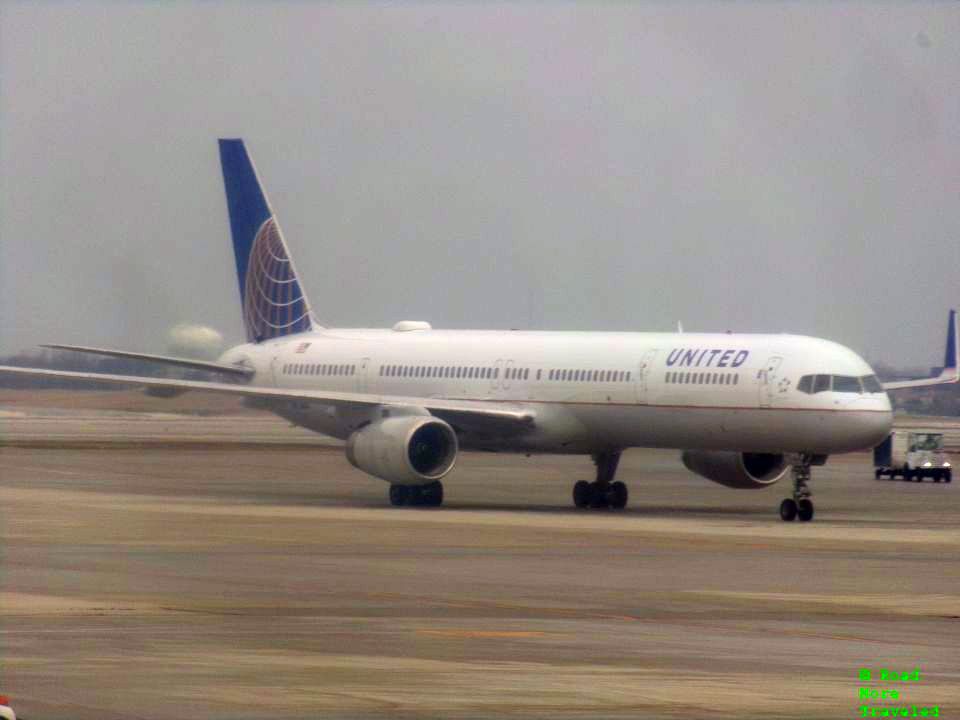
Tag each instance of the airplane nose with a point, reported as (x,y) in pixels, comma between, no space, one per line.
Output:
(872,419)
(875,426)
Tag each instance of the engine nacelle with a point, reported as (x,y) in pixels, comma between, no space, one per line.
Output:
(408,450)
(736,469)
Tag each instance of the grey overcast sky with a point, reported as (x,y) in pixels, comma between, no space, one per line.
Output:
(748,166)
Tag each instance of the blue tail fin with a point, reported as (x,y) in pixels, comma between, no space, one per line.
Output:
(950,357)
(274,303)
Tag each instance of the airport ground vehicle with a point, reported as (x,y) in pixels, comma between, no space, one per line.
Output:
(913,455)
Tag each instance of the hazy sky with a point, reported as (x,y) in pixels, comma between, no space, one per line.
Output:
(745,166)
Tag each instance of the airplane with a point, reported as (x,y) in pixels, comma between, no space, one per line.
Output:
(744,409)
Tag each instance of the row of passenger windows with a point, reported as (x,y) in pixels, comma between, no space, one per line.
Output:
(448,371)
(703,378)
(589,375)
(318,369)
(839,383)
(511,373)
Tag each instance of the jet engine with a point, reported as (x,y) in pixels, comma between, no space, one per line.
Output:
(407,450)
(736,469)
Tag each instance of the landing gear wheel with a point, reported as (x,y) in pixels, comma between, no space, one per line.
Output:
(582,494)
(432,494)
(877,474)
(788,510)
(805,510)
(399,495)
(618,495)
(599,495)
(948,477)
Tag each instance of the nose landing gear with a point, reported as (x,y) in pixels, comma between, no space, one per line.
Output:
(800,506)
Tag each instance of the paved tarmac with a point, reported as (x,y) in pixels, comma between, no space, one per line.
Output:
(185,579)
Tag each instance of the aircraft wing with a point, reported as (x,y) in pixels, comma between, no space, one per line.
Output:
(164,359)
(477,412)
(949,374)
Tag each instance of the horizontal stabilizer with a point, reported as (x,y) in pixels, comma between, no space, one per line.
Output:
(948,374)
(163,359)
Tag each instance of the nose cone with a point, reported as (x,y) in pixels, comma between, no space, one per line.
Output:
(872,415)
(875,424)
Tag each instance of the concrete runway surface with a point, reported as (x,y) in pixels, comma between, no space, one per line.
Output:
(169,573)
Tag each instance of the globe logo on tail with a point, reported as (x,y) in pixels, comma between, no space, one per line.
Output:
(273,302)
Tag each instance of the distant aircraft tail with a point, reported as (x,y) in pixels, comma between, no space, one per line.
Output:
(950,373)
(272,296)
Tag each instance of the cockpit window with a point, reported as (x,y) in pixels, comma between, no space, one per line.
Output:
(821,383)
(871,384)
(846,384)
(811,384)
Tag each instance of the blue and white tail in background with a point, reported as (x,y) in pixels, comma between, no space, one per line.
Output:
(274,303)
(950,373)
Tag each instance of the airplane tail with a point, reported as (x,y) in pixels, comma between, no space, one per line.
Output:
(950,356)
(272,296)
(950,373)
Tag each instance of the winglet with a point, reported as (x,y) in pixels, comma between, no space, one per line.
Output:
(949,373)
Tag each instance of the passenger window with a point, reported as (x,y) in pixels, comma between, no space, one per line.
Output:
(538,374)
(821,384)
(736,378)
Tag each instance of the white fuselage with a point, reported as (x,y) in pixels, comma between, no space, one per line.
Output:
(591,391)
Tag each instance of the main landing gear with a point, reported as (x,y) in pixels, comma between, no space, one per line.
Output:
(602,492)
(800,505)
(430,495)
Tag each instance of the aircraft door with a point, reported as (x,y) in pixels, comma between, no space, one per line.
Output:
(362,380)
(644,376)
(505,384)
(497,372)
(275,370)
(768,380)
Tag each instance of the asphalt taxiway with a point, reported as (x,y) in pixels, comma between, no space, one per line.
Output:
(173,573)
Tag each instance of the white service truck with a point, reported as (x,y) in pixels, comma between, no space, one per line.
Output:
(913,455)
